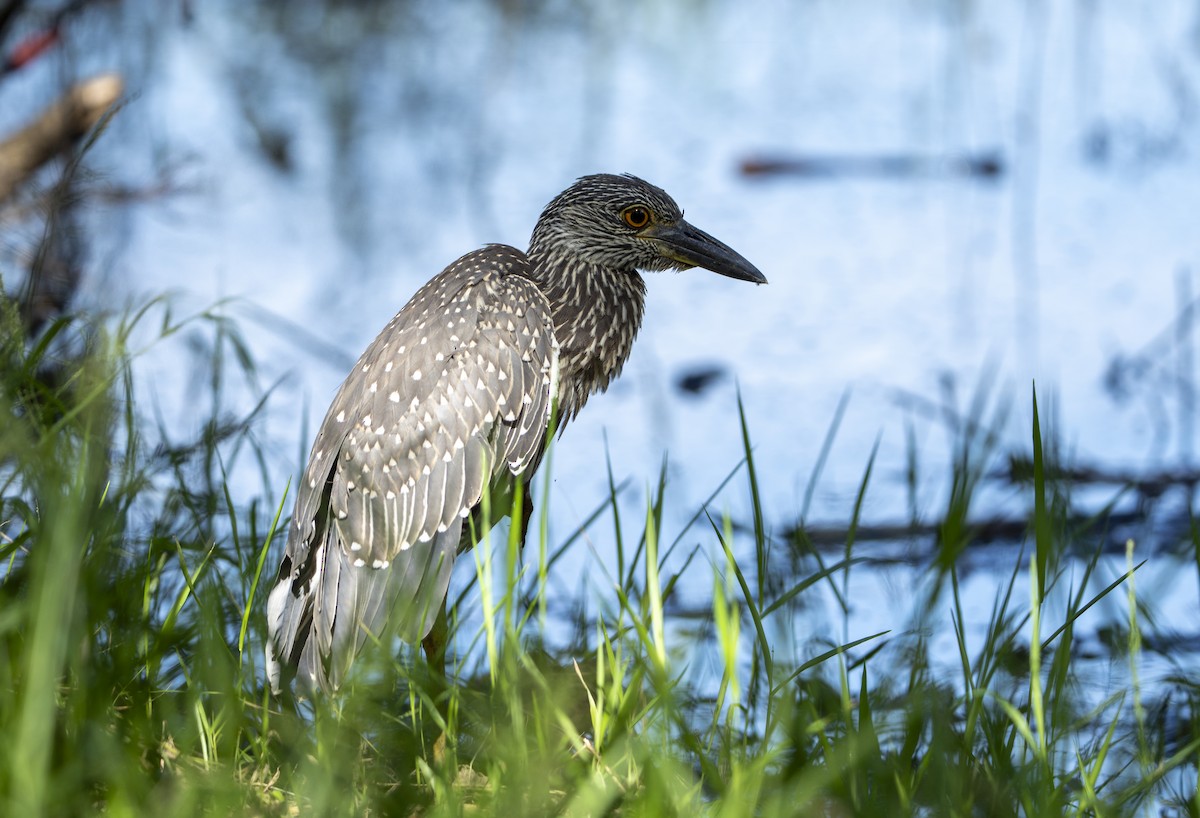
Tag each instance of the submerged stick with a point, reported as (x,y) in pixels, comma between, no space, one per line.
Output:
(986,166)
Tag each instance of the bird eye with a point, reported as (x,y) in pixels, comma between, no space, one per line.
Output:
(636,217)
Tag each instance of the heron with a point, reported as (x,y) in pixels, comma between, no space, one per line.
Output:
(455,398)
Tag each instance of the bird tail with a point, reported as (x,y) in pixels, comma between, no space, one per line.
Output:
(321,616)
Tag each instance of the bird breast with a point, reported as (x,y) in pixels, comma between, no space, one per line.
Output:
(597,314)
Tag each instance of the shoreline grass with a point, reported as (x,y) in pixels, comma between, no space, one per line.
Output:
(131,631)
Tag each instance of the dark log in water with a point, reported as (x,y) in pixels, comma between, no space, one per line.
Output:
(987,166)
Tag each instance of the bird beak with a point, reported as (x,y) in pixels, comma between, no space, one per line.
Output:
(692,247)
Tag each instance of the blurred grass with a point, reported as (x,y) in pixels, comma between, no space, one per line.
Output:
(131,631)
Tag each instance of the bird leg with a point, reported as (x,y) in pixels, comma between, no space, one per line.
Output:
(434,645)
(435,642)
(526,513)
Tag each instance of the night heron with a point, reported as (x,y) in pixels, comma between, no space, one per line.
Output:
(454,398)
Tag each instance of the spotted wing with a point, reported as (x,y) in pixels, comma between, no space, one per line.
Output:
(454,392)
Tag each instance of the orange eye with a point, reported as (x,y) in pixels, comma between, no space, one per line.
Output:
(636,217)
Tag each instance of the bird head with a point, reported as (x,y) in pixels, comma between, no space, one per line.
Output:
(624,222)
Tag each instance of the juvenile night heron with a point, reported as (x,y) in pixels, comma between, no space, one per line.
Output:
(454,397)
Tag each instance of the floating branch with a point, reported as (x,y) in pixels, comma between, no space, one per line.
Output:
(1148,484)
(987,166)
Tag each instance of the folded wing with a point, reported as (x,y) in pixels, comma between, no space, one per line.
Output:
(453,394)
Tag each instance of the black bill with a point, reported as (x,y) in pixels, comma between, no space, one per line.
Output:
(692,247)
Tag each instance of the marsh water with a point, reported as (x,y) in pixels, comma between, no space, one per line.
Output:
(952,202)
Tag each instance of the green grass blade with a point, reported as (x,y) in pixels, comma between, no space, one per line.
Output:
(258,568)
(1043,539)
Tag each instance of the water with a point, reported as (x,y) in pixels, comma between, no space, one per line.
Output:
(332,161)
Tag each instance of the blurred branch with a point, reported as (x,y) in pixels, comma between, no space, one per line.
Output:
(55,130)
(984,166)
(41,40)
(29,50)
(1109,533)
(9,12)
(1148,484)
(56,272)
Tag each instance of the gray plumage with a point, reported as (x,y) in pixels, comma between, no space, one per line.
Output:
(454,396)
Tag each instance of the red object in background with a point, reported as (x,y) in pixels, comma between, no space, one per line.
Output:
(29,49)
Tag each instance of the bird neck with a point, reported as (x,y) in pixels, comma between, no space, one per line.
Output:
(597,313)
